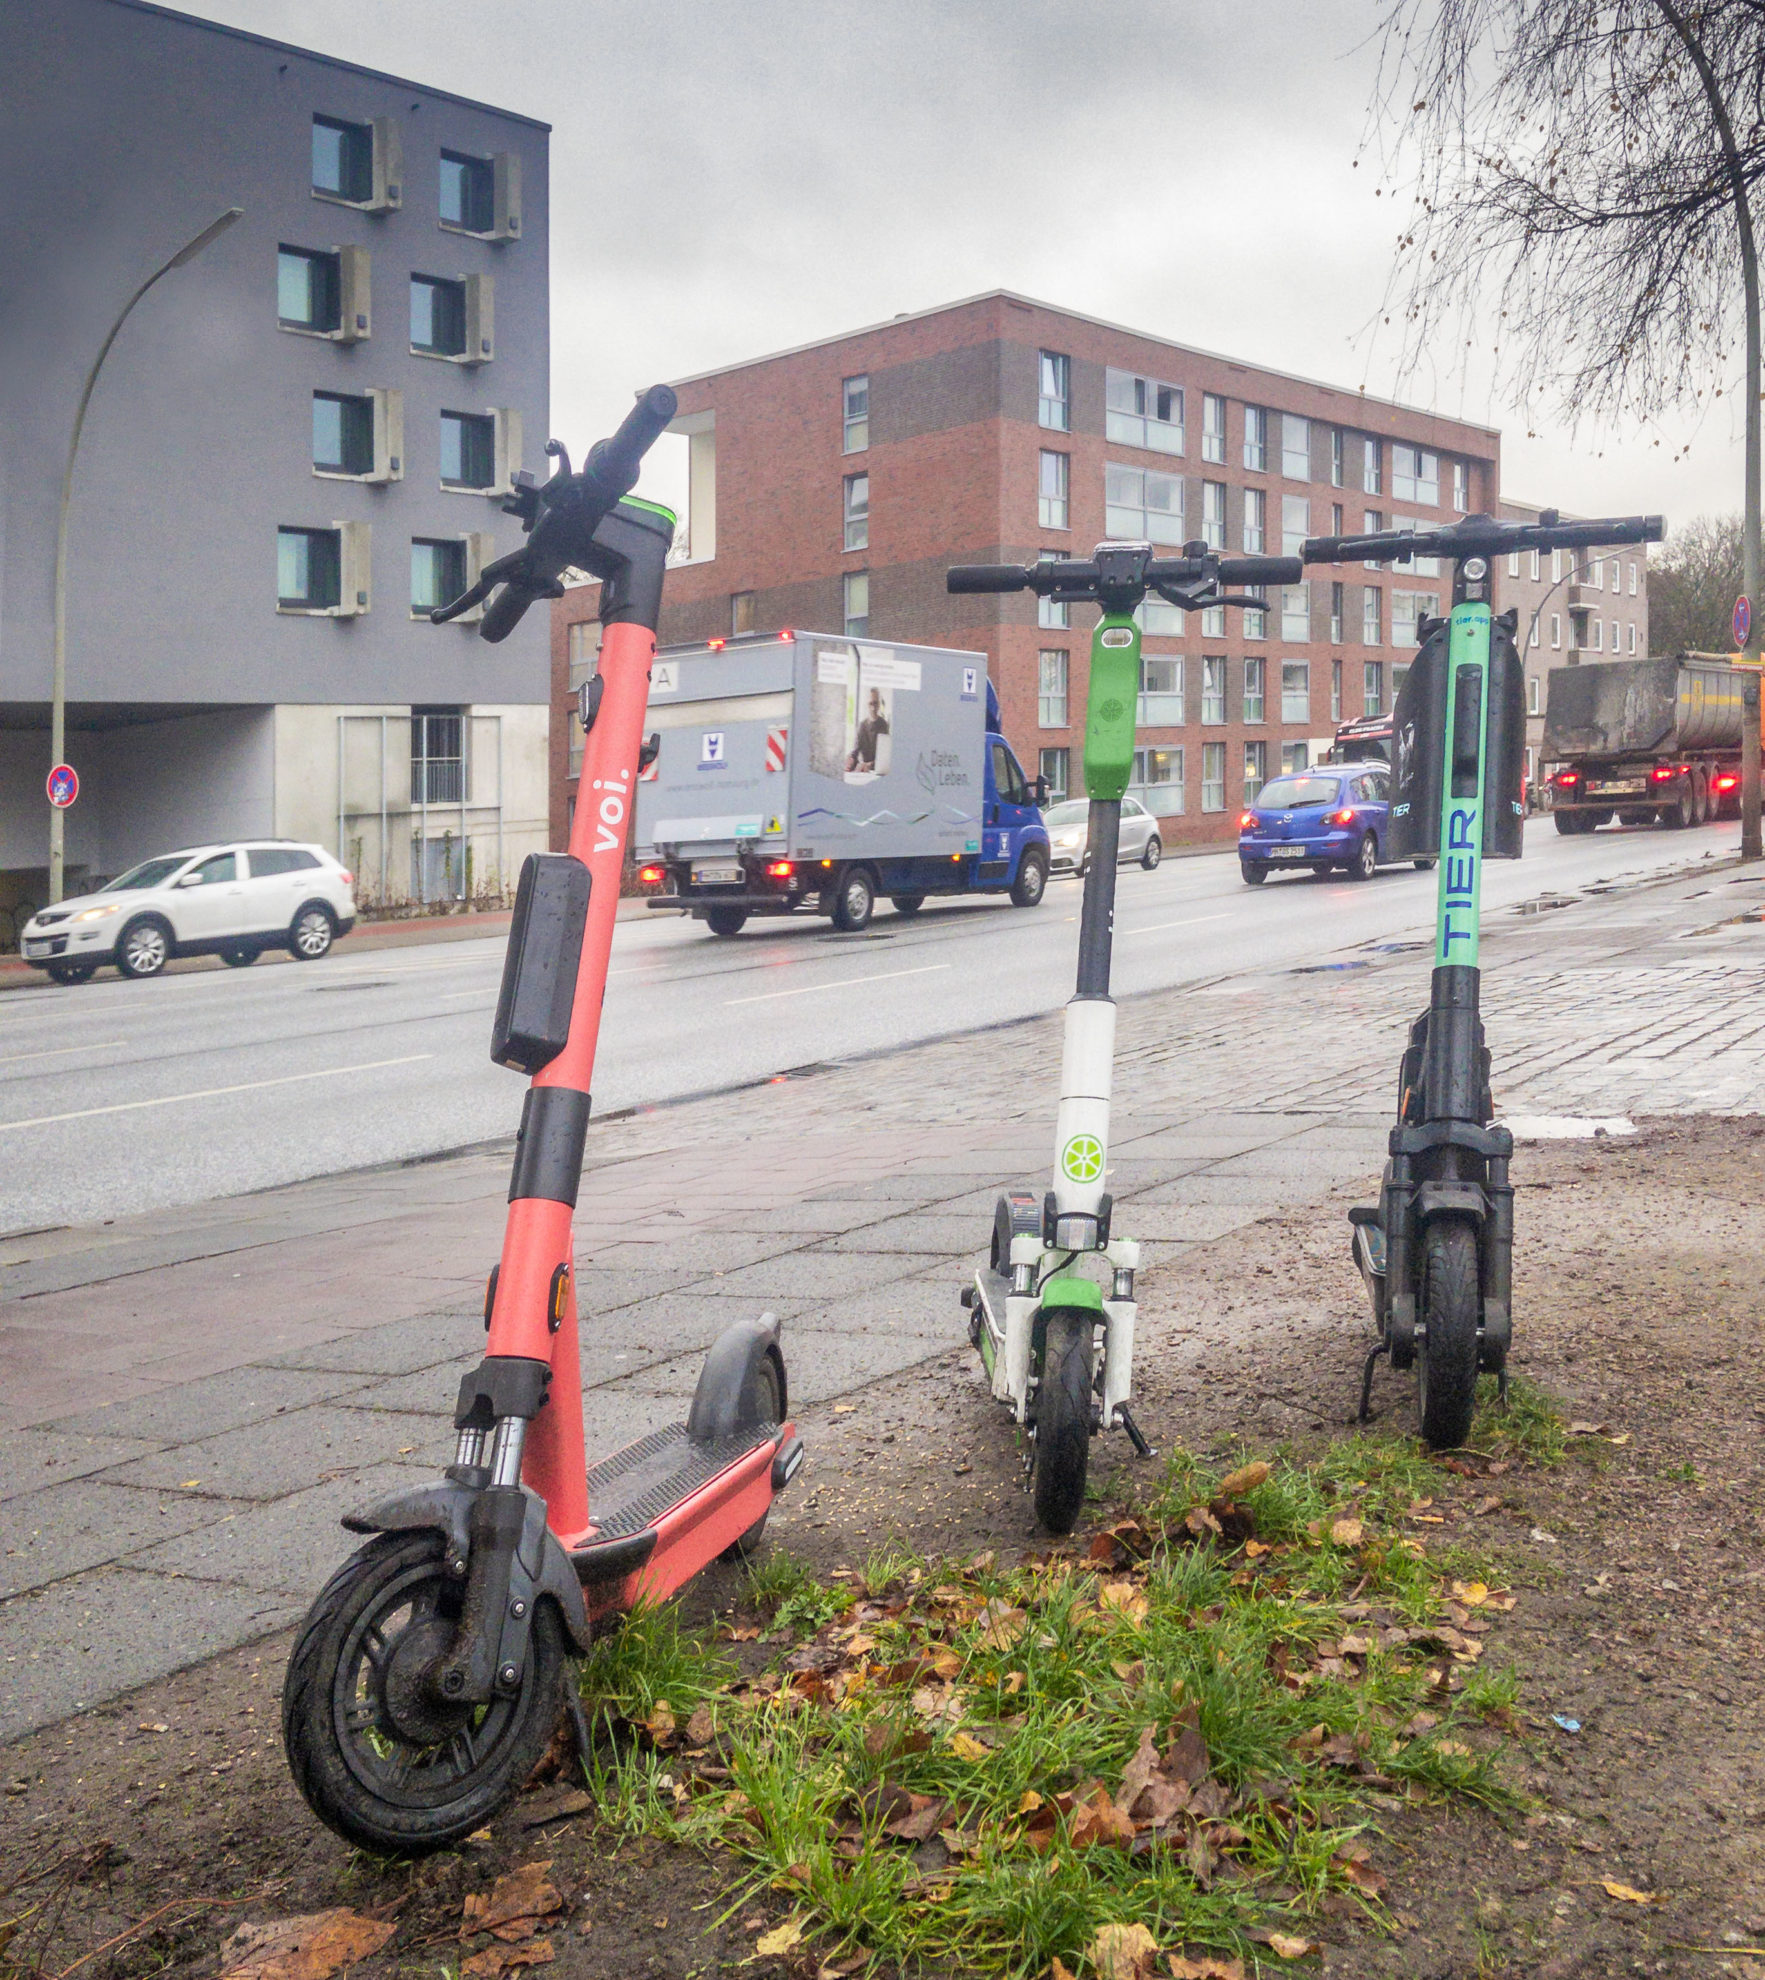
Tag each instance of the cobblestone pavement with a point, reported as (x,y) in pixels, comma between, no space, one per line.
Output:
(193,1400)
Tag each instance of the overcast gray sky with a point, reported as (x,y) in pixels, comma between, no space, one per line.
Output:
(731,177)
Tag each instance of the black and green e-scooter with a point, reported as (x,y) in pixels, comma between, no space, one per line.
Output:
(1036,1312)
(1437,1251)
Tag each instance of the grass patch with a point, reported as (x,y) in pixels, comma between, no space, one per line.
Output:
(1528,1426)
(1186,1725)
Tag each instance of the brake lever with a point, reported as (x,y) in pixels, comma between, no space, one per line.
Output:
(1205,598)
(505,570)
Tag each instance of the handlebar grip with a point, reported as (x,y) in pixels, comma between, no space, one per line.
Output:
(503,614)
(986,577)
(1610,529)
(1350,549)
(616,461)
(1261,570)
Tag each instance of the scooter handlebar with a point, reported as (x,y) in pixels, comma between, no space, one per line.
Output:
(1261,570)
(1483,536)
(986,577)
(615,462)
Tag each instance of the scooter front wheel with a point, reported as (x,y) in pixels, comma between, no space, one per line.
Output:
(1063,1421)
(1446,1356)
(379,1759)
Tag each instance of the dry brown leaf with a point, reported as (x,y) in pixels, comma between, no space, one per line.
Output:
(1629,1894)
(700,1727)
(780,1940)
(1207,1967)
(966,1747)
(1245,1479)
(309,1948)
(496,1960)
(514,1905)
(920,1820)
(1346,1532)
(1290,1947)
(1123,1952)
(1059,1970)
(660,1724)
(1125,1598)
(1199,1521)
(1099,1820)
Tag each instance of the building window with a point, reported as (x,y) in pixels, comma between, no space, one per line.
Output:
(856,590)
(1532,631)
(1213,690)
(855,399)
(343,434)
(1633,580)
(1254,620)
(343,160)
(1295,524)
(1295,756)
(1051,490)
(857,511)
(1594,573)
(1532,707)
(438,765)
(1162,688)
(1335,457)
(1161,618)
(1336,528)
(741,612)
(1213,776)
(1053,764)
(1213,427)
(1295,691)
(1054,391)
(1335,690)
(1461,487)
(1140,412)
(1372,522)
(1051,688)
(1295,447)
(1213,622)
(1053,614)
(309,569)
(1534,569)
(1256,757)
(1373,468)
(1158,780)
(1596,627)
(1336,615)
(468,450)
(1630,638)
(1556,567)
(1415,475)
(1141,503)
(1556,632)
(438,316)
(1408,609)
(1513,563)
(468,193)
(1256,521)
(438,573)
(1617,577)
(1373,687)
(1213,514)
(308,289)
(1415,566)
(1296,611)
(1255,677)
(1370,596)
(1256,438)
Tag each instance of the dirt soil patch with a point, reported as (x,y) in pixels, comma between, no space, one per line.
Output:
(140,1837)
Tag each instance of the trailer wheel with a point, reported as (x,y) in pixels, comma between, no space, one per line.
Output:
(1683,812)
(854,900)
(726,920)
(1566,823)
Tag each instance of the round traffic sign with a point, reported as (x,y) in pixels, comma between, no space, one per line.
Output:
(1743,619)
(63,785)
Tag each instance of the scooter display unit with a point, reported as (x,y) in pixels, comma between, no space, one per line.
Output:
(427,1678)
(1436,1251)
(1052,1313)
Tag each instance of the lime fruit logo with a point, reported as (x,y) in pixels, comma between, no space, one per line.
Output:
(1112,710)
(1082,1158)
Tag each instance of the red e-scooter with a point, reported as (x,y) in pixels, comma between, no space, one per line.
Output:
(427,1677)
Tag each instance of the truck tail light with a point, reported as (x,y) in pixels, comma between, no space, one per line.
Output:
(779,869)
(1566,780)
(1342,818)
(652,876)
(1727,781)
(1664,772)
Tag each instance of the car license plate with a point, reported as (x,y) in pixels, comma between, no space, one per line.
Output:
(39,948)
(1286,852)
(717,876)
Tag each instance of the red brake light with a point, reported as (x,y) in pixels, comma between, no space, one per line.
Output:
(652,875)
(779,869)
(787,634)
(1342,818)
(716,645)
(1662,772)
(1726,783)
(1567,779)
(1245,820)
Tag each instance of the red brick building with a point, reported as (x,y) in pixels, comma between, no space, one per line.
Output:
(832,486)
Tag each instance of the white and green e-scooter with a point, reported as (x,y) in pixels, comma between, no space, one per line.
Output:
(1053,1312)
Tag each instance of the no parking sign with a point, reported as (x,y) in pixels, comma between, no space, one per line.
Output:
(63,785)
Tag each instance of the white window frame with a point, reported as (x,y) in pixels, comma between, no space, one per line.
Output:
(1053,489)
(1532,695)
(855,515)
(1295,446)
(1053,687)
(1144,521)
(1256,670)
(1165,707)
(1291,696)
(1213,514)
(1372,616)
(1556,632)
(1054,406)
(1174,786)
(1140,422)
(855,426)
(1213,690)
(1256,439)
(1373,467)
(1256,768)
(1213,435)
(1337,445)
(1253,536)
(1373,687)
(1296,611)
(1213,788)
(855,585)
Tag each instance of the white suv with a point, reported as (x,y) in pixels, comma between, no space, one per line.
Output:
(231,901)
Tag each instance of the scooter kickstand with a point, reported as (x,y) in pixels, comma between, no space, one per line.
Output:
(1135,1437)
(1373,1354)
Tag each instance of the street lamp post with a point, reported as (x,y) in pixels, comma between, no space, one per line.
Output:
(58,692)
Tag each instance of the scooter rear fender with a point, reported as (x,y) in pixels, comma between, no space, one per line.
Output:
(445,1507)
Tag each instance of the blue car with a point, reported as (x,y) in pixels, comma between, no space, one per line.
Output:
(1335,815)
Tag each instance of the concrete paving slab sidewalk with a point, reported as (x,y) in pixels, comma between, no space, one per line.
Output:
(193,1398)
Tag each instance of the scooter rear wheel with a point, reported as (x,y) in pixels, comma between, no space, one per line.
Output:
(379,1760)
(1063,1421)
(1446,1358)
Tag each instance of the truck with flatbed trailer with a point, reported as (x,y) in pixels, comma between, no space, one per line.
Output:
(799,772)
(1646,741)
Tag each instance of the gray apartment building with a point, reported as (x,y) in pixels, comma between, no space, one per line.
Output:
(296,446)
(1575,606)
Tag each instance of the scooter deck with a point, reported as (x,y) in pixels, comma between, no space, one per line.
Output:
(629,1491)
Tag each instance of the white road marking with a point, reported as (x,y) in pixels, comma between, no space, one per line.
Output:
(61,1051)
(214,1092)
(1156,927)
(454,996)
(845,983)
